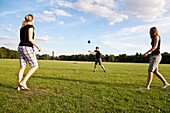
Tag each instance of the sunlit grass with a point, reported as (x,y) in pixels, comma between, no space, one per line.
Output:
(74,87)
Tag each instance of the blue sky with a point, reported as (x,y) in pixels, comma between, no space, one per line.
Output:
(64,26)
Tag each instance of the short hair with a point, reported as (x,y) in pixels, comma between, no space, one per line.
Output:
(97,47)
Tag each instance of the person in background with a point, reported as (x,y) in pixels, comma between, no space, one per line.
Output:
(98,59)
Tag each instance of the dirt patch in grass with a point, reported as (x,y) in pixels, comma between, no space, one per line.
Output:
(39,86)
(37,91)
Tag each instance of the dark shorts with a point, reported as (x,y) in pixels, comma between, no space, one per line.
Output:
(155,60)
(27,54)
(98,61)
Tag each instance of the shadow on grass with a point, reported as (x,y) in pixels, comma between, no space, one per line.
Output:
(62,69)
(56,68)
(6,86)
(119,85)
(83,81)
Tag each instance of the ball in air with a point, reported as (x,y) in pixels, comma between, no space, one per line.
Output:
(89,41)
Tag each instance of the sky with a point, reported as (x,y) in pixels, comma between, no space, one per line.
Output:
(65,26)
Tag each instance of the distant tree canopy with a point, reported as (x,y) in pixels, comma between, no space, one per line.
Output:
(137,58)
(8,54)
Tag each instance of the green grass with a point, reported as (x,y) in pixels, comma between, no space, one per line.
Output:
(68,87)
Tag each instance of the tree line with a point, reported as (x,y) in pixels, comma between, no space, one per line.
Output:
(6,53)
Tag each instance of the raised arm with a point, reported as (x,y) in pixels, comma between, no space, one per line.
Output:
(92,52)
(154,47)
(30,35)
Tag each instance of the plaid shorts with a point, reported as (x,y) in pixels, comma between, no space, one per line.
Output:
(27,54)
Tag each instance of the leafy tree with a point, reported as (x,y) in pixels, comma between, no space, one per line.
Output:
(6,53)
(111,58)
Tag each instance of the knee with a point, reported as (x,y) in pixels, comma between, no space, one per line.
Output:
(155,72)
(36,67)
(149,71)
(23,67)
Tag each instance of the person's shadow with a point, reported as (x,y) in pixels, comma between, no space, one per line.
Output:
(73,80)
(89,82)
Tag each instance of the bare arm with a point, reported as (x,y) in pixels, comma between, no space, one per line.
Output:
(154,47)
(30,35)
(92,52)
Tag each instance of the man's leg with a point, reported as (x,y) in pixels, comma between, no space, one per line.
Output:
(103,68)
(94,67)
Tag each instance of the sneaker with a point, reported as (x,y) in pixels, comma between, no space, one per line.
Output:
(145,88)
(94,71)
(166,85)
(104,70)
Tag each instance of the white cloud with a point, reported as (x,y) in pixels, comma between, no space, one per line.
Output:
(51,2)
(72,24)
(10,25)
(61,23)
(6,37)
(60,12)
(145,9)
(45,32)
(50,16)
(46,16)
(120,46)
(163,25)
(125,47)
(2,25)
(12,44)
(8,12)
(167,5)
(105,9)
(136,38)
(18,16)
(11,30)
(61,38)
(82,19)
(40,0)
(165,48)
(45,38)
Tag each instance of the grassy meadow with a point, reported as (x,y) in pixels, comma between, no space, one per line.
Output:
(73,87)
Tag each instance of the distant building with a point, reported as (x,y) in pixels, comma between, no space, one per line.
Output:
(53,53)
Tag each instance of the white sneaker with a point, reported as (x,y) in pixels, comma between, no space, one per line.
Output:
(145,88)
(166,85)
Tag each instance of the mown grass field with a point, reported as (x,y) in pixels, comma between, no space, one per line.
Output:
(68,87)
